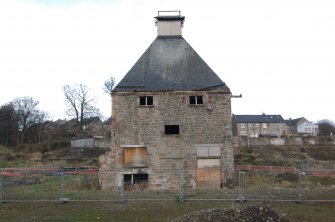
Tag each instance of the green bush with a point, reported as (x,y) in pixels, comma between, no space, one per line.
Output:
(44,150)
(3,164)
(287,176)
(249,159)
(59,144)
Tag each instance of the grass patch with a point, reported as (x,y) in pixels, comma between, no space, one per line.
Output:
(5,150)
(3,164)
(321,152)
(164,211)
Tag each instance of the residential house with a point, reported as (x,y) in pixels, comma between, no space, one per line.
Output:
(171,119)
(259,125)
(301,126)
(91,127)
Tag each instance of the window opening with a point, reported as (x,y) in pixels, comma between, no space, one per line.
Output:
(196,100)
(171,129)
(146,100)
(135,181)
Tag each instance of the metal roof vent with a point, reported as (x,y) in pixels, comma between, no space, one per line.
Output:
(169,23)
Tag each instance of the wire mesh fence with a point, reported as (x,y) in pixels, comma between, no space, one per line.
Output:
(246,184)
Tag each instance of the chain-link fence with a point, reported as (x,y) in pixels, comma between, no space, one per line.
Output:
(246,184)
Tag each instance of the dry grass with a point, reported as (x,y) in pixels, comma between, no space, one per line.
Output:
(150,211)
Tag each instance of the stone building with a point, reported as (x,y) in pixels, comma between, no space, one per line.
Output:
(171,119)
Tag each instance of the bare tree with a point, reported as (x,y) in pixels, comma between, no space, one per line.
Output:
(326,127)
(36,129)
(28,114)
(109,85)
(108,88)
(79,103)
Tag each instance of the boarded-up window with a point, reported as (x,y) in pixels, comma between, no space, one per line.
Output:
(208,151)
(135,156)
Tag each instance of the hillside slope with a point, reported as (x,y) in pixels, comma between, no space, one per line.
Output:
(311,156)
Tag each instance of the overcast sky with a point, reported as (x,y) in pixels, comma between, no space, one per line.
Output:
(279,54)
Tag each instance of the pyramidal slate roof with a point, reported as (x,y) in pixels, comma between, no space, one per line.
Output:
(170,64)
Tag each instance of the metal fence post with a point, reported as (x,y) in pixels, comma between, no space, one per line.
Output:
(299,186)
(61,184)
(241,197)
(122,193)
(181,193)
(1,186)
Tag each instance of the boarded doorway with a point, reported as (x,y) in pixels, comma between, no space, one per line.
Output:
(209,174)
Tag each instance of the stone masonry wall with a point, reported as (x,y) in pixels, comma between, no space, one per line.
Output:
(167,155)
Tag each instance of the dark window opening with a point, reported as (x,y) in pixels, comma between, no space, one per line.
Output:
(135,181)
(146,100)
(142,101)
(150,101)
(196,100)
(171,129)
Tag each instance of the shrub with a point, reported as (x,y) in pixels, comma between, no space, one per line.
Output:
(83,182)
(249,159)
(287,176)
(44,150)
(46,155)
(59,144)
(321,152)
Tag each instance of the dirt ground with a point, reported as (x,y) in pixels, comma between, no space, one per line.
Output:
(158,211)
(249,213)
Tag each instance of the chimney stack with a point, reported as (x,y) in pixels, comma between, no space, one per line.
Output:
(169,23)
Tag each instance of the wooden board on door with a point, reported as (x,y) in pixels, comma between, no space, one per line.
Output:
(209,173)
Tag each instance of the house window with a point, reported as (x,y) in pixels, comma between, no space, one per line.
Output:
(135,157)
(242,125)
(249,124)
(146,101)
(264,125)
(196,100)
(171,129)
(256,125)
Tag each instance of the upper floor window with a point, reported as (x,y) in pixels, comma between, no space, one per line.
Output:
(171,129)
(264,125)
(242,125)
(249,124)
(256,125)
(196,100)
(146,101)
